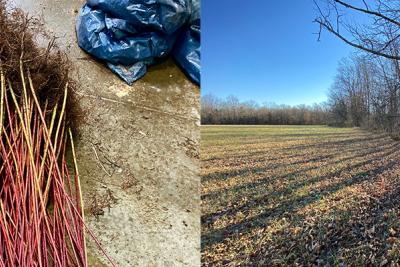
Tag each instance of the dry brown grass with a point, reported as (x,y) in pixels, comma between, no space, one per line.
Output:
(299,196)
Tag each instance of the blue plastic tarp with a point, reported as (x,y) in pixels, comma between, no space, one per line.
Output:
(130,35)
(187,48)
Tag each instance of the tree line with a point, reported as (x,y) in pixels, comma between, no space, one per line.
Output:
(230,110)
(366,94)
(366,90)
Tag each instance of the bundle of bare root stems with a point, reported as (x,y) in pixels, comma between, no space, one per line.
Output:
(41,208)
(41,214)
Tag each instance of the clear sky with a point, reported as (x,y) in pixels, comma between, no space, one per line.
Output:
(265,50)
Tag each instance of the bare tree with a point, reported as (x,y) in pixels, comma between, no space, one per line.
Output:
(378,32)
(367,88)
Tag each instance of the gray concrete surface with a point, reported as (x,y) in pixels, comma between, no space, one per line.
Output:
(137,152)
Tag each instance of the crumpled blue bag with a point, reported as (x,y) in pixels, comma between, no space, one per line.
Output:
(132,34)
(187,48)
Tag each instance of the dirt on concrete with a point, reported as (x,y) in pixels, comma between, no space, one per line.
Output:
(137,151)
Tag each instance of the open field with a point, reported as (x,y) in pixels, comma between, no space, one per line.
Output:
(299,196)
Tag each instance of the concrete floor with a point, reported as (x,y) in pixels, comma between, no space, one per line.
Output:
(137,151)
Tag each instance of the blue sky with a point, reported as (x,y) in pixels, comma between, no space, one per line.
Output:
(265,50)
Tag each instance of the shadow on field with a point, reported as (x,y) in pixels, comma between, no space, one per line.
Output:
(363,235)
(261,220)
(225,175)
(346,142)
(264,199)
(327,144)
(263,181)
(287,206)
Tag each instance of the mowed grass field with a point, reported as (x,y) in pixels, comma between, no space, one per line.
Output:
(299,196)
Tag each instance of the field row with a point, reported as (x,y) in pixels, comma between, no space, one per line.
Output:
(296,195)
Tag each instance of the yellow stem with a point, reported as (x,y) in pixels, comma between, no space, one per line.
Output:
(79,188)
